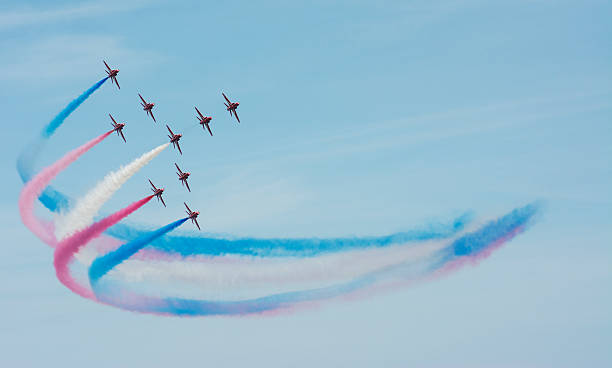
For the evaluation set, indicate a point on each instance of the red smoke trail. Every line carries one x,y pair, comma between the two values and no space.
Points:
68,247
35,187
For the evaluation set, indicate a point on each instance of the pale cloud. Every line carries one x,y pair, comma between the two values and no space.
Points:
59,56
246,200
24,16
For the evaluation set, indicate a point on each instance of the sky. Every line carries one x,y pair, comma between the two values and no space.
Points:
357,118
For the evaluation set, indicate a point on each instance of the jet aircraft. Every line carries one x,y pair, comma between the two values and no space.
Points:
118,127
204,121
183,176
193,215
148,107
231,106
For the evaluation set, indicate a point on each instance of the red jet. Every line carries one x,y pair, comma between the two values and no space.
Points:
117,127
193,215
148,107
231,106
183,176
174,139
112,74
158,193
204,120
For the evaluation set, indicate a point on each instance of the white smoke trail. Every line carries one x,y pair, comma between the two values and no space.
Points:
250,277
86,208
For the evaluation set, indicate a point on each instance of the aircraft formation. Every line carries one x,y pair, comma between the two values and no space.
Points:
205,121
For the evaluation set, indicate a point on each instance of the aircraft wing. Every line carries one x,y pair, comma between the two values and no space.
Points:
143,100
207,127
112,118
187,185
162,200
107,67
196,223
153,185
199,113
178,168
226,99
122,136
179,147
151,112
187,207
116,82
236,115
170,130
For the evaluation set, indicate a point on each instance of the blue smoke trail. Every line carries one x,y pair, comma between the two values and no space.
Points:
475,243
50,198
59,119
105,263
304,247
469,245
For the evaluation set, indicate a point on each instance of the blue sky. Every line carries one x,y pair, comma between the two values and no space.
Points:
357,118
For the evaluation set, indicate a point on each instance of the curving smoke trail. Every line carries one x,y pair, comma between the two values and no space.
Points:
292,247
50,198
466,248
35,187
83,213
66,248
69,109
245,276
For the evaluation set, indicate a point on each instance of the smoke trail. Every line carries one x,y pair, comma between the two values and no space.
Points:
87,207
66,249
105,263
471,245
50,198
476,246
35,187
305,247
246,277
59,119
